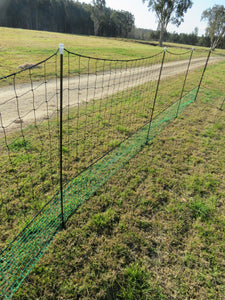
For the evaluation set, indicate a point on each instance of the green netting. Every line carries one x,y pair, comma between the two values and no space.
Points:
20,256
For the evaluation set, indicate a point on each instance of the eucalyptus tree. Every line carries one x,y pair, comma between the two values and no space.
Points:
168,11
216,24
98,15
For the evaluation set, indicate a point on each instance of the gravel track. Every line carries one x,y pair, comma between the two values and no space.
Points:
33,104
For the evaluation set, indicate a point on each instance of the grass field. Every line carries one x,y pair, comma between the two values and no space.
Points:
16,47
156,229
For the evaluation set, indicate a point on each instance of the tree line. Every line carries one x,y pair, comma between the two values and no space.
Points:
179,38
70,16
66,16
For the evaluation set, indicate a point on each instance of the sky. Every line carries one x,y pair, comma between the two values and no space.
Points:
147,20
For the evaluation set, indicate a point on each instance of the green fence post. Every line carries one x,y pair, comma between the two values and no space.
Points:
203,73
156,94
185,79
61,49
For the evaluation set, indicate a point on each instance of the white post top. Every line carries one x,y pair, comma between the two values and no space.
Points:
165,49
61,48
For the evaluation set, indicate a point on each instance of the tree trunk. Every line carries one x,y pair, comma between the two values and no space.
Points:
96,27
161,37
214,43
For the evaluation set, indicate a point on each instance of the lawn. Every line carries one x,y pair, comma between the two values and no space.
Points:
17,49
155,230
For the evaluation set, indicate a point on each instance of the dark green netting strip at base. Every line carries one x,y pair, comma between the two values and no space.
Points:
21,255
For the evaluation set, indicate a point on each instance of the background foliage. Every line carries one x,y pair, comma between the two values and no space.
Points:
67,16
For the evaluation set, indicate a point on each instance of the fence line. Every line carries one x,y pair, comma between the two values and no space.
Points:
77,145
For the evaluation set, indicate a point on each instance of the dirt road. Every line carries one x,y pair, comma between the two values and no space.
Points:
41,100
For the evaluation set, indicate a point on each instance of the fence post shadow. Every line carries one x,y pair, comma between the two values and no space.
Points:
221,106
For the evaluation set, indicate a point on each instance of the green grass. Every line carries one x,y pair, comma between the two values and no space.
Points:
17,48
24,190
156,229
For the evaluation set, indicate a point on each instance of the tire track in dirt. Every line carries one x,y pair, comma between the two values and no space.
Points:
33,104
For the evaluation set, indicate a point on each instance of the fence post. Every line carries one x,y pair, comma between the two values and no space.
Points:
156,94
61,49
185,79
203,73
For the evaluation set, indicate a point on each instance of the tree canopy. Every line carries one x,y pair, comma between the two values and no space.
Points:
72,16
66,16
168,11
216,23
